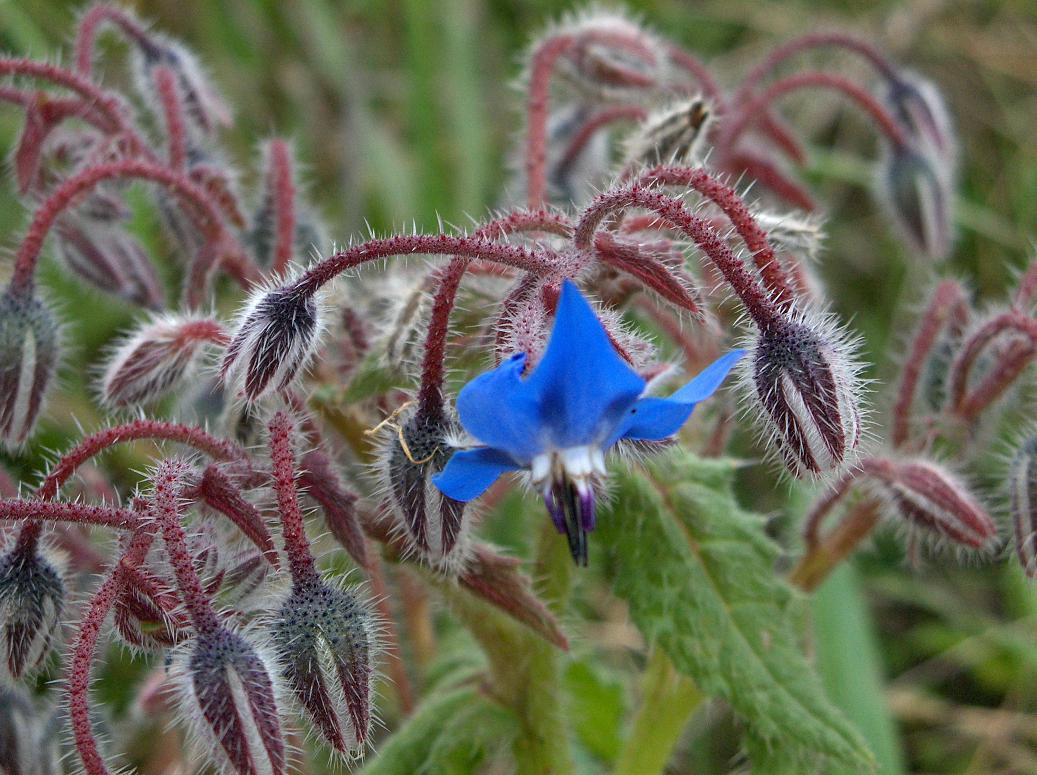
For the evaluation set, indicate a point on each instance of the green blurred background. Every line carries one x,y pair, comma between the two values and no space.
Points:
403,111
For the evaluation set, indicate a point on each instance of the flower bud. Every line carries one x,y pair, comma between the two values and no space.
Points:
920,108
28,742
673,135
918,196
244,575
410,456
157,358
927,496
276,335
1022,483
609,53
111,260
32,597
806,382
228,697
142,613
28,357
202,104
325,646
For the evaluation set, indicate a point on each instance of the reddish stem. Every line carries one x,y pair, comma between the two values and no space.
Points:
727,199
80,513
448,280
974,346
755,109
815,40
1010,364
1026,289
700,72
169,484
198,202
766,173
173,111
82,655
282,185
760,306
89,26
441,244
595,123
947,308
293,528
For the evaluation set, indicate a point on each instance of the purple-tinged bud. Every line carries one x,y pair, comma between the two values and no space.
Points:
1022,482
32,597
325,645
276,334
219,492
658,265
28,357
146,613
321,482
673,135
244,575
411,453
227,695
918,195
805,378
202,104
111,260
609,53
157,358
919,106
930,497
28,744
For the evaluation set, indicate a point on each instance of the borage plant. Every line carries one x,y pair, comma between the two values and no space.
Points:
627,247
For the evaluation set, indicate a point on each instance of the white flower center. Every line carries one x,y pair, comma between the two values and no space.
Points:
576,464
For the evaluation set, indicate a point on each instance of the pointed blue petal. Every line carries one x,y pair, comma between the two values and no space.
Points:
584,388
469,473
653,419
500,410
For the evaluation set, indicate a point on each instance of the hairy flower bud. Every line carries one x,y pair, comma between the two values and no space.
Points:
321,482
142,613
157,358
227,695
276,334
806,382
416,450
609,53
920,108
28,357
918,195
1022,483
673,135
930,497
325,647
202,103
111,260
32,597
28,743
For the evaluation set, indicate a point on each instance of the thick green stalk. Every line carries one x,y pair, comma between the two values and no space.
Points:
668,702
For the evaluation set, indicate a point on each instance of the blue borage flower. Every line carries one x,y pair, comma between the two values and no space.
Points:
557,423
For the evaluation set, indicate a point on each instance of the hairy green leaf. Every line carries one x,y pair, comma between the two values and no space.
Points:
698,574
451,732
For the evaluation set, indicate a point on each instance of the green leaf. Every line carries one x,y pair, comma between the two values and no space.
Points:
450,733
698,574
596,705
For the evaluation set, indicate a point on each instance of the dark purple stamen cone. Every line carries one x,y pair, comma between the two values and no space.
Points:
28,356
275,338
412,455
1023,495
325,652
807,386
32,596
231,698
573,514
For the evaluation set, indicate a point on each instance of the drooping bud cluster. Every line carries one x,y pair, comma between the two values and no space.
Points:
325,648
805,379
275,336
28,357
32,598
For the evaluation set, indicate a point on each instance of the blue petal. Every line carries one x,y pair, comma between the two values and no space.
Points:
469,473
652,419
583,387
500,410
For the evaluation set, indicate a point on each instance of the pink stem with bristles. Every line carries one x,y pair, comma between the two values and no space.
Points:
282,184
293,528
173,111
